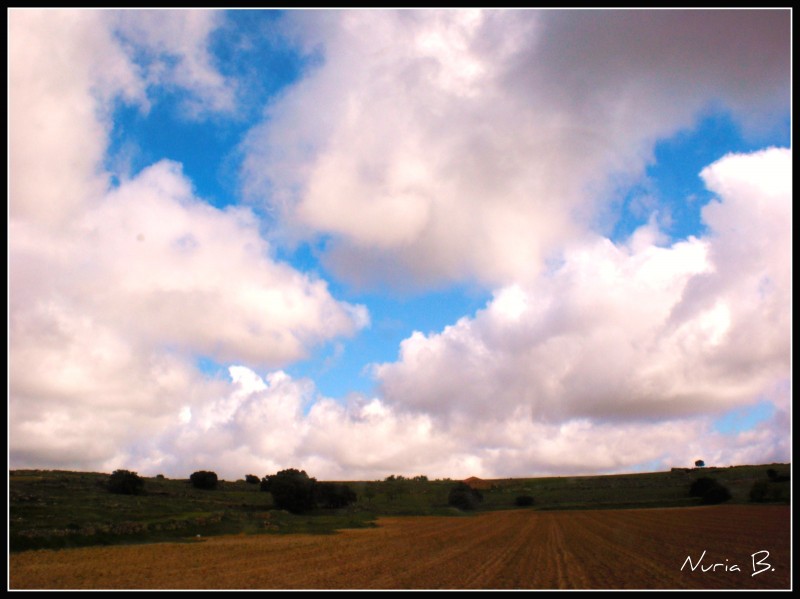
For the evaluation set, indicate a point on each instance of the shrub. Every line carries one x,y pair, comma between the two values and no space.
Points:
251,479
464,497
701,486
759,491
125,482
775,477
291,490
709,491
769,490
333,495
204,480
716,494
524,500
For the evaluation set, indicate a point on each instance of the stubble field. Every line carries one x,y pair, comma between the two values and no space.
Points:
519,549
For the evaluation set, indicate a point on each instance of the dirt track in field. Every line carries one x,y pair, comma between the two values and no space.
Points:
522,549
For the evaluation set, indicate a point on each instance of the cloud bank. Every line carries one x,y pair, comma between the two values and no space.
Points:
475,144
116,291
423,148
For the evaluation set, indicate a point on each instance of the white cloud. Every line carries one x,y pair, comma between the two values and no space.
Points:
269,424
264,425
474,144
449,145
172,49
59,63
114,292
627,334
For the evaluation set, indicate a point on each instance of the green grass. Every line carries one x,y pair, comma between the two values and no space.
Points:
52,509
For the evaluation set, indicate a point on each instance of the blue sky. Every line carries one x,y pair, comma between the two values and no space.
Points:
451,242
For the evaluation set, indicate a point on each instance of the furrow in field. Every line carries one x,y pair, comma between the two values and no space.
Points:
623,549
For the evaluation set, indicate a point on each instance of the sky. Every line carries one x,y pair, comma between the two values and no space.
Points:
455,243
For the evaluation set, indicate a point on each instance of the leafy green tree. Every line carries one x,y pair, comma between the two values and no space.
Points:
125,482
291,490
709,491
701,486
716,494
333,495
251,479
464,497
204,480
369,492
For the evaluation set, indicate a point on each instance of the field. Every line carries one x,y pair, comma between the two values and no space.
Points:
508,549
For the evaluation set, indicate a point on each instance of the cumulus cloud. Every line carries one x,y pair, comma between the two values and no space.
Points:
270,423
617,359
115,292
57,129
262,425
473,144
450,145
627,333
171,48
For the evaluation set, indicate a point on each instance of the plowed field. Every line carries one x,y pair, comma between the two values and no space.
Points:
602,549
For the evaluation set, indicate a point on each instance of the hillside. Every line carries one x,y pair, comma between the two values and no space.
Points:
64,509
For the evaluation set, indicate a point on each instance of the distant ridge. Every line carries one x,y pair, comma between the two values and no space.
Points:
478,483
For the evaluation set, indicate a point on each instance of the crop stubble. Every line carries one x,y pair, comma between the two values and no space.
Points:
520,549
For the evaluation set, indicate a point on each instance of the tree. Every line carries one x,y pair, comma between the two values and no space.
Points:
709,491
464,497
716,494
760,491
125,482
291,490
333,495
251,479
204,480
524,500
701,486
699,464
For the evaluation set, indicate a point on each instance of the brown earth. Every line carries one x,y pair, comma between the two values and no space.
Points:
520,549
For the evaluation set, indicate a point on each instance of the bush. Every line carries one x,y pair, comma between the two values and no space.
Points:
769,490
701,486
716,494
464,497
760,491
709,491
523,500
775,477
204,480
291,490
125,482
251,479
333,495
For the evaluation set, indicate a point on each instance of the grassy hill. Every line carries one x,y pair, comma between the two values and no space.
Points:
67,509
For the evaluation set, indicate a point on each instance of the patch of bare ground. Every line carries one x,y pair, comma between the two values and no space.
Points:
521,549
